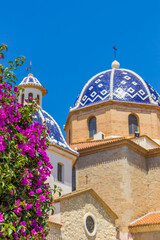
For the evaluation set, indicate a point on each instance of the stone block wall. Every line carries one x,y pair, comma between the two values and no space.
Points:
73,211
119,176
54,233
154,183
146,236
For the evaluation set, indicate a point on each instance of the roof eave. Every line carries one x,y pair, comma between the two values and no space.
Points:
151,227
67,151
28,85
84,190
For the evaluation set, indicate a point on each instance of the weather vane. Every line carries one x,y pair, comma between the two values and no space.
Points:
115,49
30,67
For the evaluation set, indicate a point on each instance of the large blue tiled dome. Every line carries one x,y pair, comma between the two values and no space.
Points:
117,84
55,135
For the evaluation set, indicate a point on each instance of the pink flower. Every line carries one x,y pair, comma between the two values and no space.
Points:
17,202
1,217
30,144
2,143
40,163
31,193
23,223
26,181
16,89
42,198
34,233
18,128
39,190
23,234
17,210
15,235
28,206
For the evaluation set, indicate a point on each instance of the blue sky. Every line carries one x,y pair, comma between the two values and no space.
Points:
71,41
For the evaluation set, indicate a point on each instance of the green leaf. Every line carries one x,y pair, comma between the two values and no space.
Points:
10,231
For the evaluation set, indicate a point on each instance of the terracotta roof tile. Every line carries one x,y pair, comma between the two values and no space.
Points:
150,218
90,144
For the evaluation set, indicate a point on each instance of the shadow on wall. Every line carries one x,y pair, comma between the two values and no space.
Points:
113,155
153,163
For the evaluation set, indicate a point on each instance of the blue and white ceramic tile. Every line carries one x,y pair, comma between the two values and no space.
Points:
30,80
119,85
55,135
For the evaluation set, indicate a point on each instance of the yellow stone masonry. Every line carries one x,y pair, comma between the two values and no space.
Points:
112,120
73,211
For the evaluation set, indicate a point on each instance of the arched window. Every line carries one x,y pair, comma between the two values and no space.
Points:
30,95
38,98
92,127
60,172
133,124
22,98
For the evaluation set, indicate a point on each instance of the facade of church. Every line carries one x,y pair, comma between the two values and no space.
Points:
109,168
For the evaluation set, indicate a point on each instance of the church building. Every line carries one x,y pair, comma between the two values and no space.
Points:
109,165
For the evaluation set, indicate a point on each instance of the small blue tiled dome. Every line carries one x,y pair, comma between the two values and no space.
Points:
117,84
55,135
31,81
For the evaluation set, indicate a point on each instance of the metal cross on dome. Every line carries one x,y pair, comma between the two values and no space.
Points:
115,49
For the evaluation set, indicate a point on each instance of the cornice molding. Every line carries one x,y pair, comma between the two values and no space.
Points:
30,85
145,228
92,192
120,143
55,224
113,145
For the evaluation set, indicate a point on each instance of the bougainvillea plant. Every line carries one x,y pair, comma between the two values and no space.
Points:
25,197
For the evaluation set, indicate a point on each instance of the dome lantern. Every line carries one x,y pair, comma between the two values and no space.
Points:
30,74
115,64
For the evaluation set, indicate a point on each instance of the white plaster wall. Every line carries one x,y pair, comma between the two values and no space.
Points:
157,141
31,90
56,158
144,142
56,217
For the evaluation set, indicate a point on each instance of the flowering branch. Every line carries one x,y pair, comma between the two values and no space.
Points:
26,198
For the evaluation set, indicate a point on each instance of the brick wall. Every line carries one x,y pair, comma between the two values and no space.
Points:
112,120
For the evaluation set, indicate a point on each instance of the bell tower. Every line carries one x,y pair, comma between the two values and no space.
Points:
32,89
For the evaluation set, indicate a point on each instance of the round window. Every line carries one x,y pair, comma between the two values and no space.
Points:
90,224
